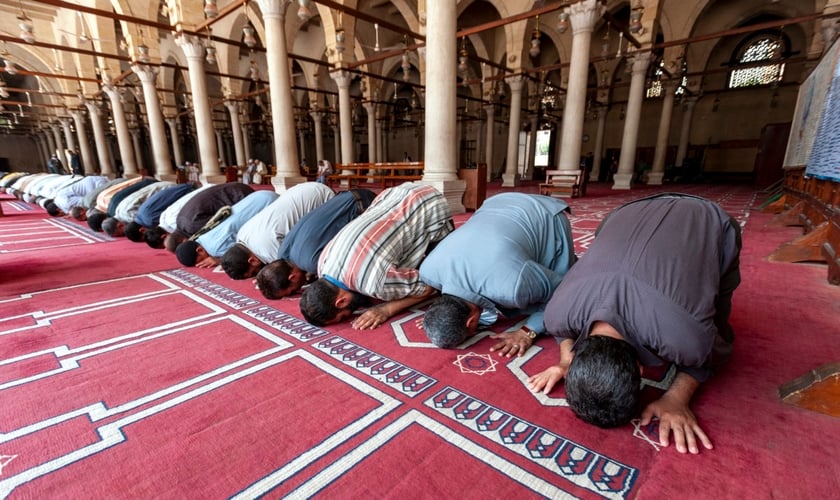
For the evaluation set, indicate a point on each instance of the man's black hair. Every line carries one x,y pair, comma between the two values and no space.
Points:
317,302
235,262
154,236
134,232
445,322
603,384
52,208
274,277
76,212
95,218
111,226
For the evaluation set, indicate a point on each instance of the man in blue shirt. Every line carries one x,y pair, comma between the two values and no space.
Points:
149,212
506,260
205,250
297,262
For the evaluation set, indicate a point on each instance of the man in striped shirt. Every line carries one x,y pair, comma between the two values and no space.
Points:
378,255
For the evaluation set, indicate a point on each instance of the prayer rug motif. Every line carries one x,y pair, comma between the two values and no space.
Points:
477,364
44,234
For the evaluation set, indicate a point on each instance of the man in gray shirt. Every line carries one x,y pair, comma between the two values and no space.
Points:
655,287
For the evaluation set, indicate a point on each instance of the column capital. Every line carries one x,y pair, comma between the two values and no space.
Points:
342,78
78,114
584,15
490,109
92,107
515,82
65,121
640,61
273,8
192,45
111,90
146,73
316,115
369,106
232,106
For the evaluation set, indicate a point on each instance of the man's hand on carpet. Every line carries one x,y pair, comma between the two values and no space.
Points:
207,263
371,318
546,379
676,417
516,342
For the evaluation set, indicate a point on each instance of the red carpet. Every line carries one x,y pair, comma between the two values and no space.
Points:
122,378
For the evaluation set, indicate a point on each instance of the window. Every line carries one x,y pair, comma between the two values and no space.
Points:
654,88
759,60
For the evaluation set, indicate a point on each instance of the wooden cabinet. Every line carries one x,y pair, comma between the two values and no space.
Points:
476,192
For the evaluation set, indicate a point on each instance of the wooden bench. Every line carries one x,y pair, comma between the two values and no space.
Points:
352,175
566,183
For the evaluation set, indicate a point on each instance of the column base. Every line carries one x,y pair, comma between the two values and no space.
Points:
622,181
655,178
510,180
283,183
167,177
212,179
453,191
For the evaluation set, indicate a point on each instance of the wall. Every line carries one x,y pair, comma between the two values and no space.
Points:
22,153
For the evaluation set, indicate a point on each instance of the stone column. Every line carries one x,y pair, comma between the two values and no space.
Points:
583,16
157,133
123,135
302,144
657,171
282,106
106,166
371,129
380,142
43,149
685,131
138,152
208,153
488,145
220,146
177,152
441,119
342,79
58,148
511,176
626,164
68,135
48,134
236,130
598,154
246,141
84,145
317,116
337,143
534,120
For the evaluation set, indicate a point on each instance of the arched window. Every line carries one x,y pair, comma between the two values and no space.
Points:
759,60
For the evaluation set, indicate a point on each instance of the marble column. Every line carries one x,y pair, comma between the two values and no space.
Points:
208,153
50,141
84,145
488,143
138,151
68,135
236,130
317,116
371,129
657,171
246,141
583,16
598,154
59,146
220,147
337,143
177,152
380,142
626,164
511,176
282,104
441,118
43,149
157,133
123,135
106,166
534,120
302,145
685,130
342,79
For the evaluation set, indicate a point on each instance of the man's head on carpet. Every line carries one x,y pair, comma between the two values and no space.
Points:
95,219
113,227
240,263
78,213
53,209
603,384
190,252
280,279
134,231
323,303
449,321
170,240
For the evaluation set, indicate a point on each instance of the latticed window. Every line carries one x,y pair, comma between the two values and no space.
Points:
763,49
654,89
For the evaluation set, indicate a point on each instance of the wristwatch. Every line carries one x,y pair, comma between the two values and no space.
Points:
531,333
